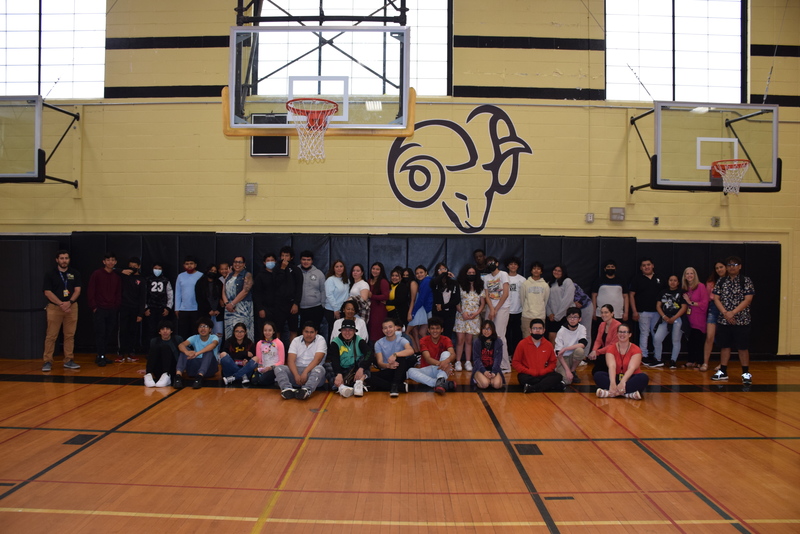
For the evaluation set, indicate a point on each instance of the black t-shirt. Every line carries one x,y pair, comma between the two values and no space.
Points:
58,282
648,291
671,302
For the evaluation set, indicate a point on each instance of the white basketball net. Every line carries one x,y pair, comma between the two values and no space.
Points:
732,172
311,121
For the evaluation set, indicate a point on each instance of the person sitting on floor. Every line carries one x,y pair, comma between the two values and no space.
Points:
624,378
198,356
350,358
162,356
535,362
303,372
570,346
269,354
236,359
487,358
437,359
394,356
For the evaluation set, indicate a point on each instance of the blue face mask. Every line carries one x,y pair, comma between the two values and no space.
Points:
270,264
157,272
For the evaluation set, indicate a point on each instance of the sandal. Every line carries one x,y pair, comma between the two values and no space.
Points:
703,368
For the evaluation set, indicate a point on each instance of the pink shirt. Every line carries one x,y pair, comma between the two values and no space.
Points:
697,314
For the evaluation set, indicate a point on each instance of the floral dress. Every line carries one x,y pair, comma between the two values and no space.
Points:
470,303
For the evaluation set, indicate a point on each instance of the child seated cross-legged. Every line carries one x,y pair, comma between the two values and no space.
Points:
437,359
487,358
535,362
350,358
270,353
394,356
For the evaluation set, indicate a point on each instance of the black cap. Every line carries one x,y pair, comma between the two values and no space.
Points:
348,323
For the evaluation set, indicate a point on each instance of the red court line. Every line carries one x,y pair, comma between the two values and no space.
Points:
343,492
644,443
64,413
615,464
732,419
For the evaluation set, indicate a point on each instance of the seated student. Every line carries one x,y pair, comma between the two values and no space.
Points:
624,376
437,359
236,358
350,311
162,356
350,357
198,356
487,358
303,372
535,362
394,356
570,346
269,354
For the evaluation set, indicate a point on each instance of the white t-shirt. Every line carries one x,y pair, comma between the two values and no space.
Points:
355,291
567,337
494,287
514,288
305,353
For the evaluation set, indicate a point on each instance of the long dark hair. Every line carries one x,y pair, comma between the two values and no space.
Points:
363,272
464,283
564,274
493,336
232,340
714,277
331,272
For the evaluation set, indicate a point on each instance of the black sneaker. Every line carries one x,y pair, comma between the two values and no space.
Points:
198,383
302,394
527,388
288,393
655,364
440,386
575,379
178,382
451,386
673,364
395,391
100,361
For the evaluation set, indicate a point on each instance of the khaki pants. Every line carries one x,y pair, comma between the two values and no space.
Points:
572,361
56,318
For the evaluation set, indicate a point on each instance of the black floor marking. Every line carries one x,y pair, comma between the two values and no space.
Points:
559,498
52,466
80,439
722,513
526,479
528,449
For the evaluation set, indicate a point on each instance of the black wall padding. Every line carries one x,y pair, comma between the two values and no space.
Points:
583,257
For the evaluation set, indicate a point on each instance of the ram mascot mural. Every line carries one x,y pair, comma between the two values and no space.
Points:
463,171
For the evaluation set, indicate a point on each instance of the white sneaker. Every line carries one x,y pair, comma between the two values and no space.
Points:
345,391
164,381
468,366
358,388
148,381
228,380
458,366
245,379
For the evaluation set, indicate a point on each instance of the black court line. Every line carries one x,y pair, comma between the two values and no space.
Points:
83,448
722,513
526,479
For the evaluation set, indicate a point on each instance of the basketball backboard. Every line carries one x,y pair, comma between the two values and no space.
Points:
21,157
690,136
364,70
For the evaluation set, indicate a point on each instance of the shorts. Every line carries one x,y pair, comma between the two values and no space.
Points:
733,336
713,314
420,318
553,326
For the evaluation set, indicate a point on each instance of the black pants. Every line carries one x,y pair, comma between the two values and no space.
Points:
697,341
105,329
549,382
513,332
313,314
161,359
448,321
264,380
150,328
128,331
186,323
384,379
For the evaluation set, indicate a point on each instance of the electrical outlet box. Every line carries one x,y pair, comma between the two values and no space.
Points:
617,214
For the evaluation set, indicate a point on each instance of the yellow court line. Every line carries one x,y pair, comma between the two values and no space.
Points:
354,522
276,495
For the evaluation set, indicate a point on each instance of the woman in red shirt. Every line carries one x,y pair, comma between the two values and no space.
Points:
624,378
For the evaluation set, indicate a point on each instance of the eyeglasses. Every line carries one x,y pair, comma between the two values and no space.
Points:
574,317
733,265
203,326
619,332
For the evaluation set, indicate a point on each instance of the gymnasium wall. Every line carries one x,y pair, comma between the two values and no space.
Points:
542,149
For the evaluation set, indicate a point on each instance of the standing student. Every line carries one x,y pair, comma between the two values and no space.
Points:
535,294
61,287
515,281
399,303
561,298
312,304
497,304
468,318
337,290
421,307
208,294
236,297
131,311
645,290
720,271
696,296
105,298
732,297
379,294
671,308
185,298
608,289
446,297
359,291
159,300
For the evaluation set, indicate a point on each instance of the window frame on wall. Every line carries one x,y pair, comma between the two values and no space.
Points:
660,66
53,48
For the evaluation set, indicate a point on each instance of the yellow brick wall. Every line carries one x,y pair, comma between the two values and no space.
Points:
163,164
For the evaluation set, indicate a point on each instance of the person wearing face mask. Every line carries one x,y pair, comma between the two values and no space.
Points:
609,289
159,300
535,362
131,311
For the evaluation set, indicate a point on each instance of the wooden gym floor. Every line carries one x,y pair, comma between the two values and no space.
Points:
94,451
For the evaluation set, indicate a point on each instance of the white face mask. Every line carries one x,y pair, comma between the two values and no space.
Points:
270,264
157,272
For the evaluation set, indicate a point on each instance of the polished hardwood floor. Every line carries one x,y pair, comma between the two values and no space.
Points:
94,451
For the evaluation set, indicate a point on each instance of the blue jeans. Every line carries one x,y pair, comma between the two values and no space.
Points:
229,367
647,325
430,374
661,333
206,366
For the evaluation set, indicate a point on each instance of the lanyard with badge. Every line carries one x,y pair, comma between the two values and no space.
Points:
65,279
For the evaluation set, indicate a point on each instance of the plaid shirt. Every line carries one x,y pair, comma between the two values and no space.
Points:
731,292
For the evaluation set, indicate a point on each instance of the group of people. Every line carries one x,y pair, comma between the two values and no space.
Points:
374,331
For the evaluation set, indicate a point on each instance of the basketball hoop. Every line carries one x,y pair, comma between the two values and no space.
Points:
732,172
311,132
